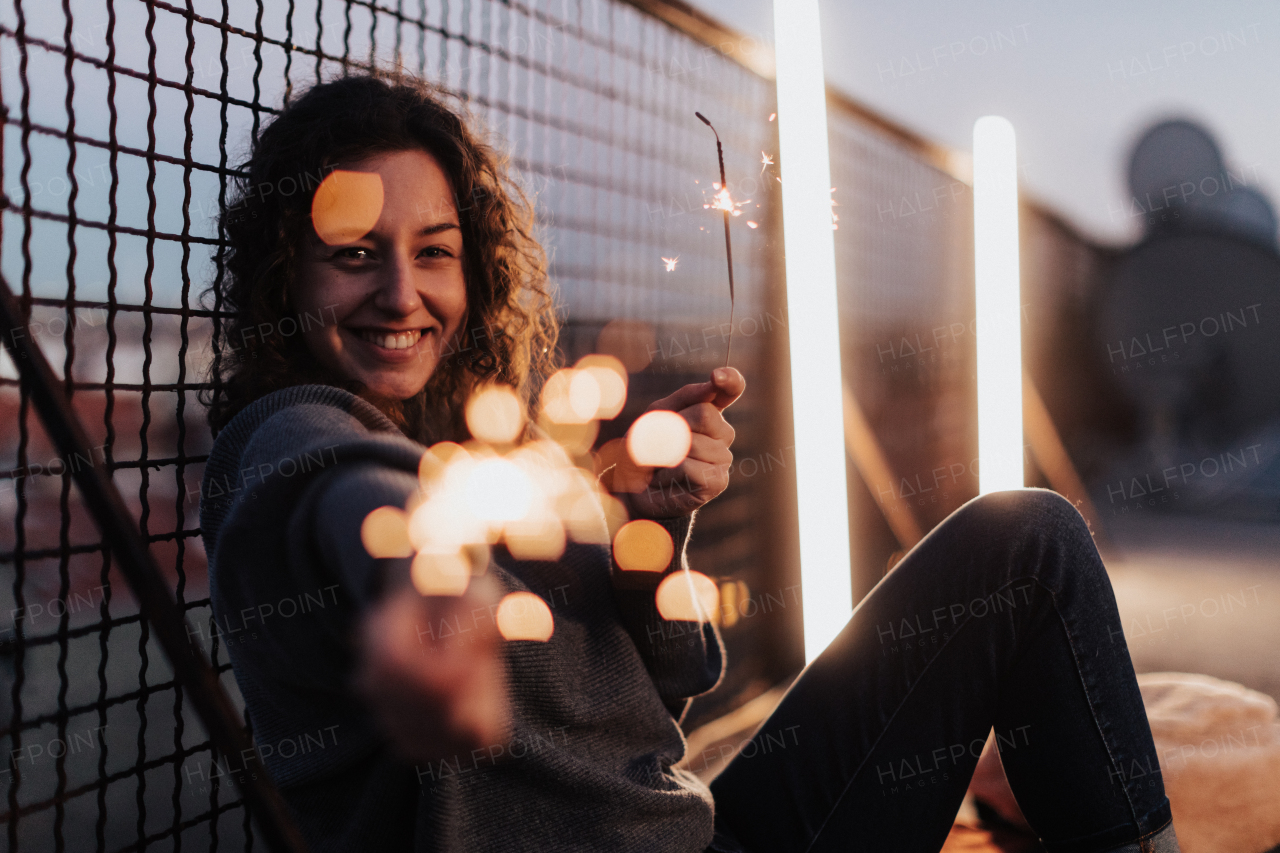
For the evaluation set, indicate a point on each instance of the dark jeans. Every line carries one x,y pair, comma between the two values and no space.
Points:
1001,617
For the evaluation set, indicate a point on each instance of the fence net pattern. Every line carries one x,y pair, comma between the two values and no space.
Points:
124,120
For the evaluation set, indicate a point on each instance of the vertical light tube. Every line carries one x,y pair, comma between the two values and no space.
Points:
814,330
999,305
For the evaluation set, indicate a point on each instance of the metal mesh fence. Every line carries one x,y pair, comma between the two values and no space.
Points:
904,263
123,122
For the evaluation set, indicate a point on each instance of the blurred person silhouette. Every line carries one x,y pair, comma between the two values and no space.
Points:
1186,318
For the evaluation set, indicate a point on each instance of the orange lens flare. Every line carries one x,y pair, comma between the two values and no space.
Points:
584,396
495,415
524,616
687,597
346,206
385,533
440,574
583,519
643,546
576,439
659,439
734,596
570,397
497,490
541,536
611,378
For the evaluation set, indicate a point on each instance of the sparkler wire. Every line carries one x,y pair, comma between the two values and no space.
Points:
728,244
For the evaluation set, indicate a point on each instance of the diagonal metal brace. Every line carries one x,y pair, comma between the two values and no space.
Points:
119,530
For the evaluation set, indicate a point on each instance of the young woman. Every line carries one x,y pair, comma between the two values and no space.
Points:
393,721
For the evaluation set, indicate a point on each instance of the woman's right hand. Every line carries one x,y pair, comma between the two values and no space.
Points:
434,696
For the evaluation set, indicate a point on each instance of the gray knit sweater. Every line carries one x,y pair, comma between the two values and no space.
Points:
594,709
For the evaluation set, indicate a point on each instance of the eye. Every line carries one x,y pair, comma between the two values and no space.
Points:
354,253
435,252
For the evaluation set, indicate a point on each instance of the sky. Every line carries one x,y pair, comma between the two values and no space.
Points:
1080,81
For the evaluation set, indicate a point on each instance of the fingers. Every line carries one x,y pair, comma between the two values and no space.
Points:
709,450
703,474
706,420
431,699
729,385
705,471
725,386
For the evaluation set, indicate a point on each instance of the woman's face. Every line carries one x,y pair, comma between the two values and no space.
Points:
393,298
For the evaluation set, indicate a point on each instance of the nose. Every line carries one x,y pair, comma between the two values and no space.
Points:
396,294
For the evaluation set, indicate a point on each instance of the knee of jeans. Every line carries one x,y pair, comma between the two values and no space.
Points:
1019,507
1021,515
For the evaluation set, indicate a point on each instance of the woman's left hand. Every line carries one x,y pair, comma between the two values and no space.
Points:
704,473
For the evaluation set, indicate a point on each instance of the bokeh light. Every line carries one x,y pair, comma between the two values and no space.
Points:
444,522
437,458
615,513
497,490
584,395
571,397
576,439
611,377
533,497
495,415
643,546
440,574
524,616
582,517
687,596
385,533
538,536
659,439
733,599
346,206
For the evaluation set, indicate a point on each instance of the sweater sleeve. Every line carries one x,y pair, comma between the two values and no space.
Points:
289,576
357,472
684,659
333,512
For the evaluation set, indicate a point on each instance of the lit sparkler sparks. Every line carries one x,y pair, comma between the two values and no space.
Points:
671,263
725,203
765,161
534,496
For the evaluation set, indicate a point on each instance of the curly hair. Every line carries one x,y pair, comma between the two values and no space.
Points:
510,329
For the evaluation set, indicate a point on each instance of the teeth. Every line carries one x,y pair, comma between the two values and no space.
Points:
397,340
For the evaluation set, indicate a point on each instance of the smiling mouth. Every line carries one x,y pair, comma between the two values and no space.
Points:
390,340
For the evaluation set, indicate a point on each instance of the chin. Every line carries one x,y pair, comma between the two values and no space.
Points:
394,388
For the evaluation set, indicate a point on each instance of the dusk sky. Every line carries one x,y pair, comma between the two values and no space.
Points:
1079,81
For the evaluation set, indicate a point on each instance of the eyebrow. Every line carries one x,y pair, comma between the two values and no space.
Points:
437,228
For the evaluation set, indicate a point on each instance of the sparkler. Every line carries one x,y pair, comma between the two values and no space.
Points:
534,496
726,205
